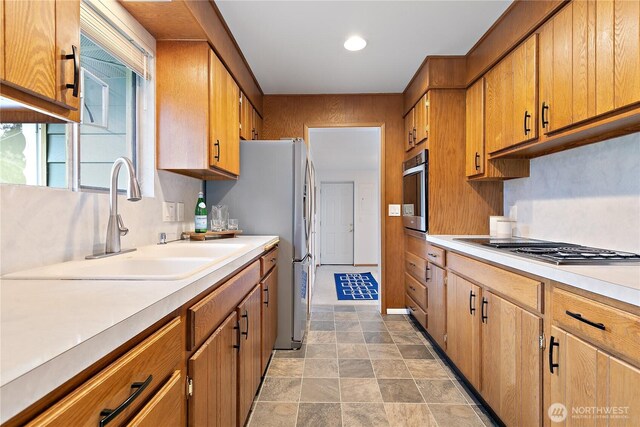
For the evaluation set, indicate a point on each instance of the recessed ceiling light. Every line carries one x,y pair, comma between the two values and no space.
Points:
354,43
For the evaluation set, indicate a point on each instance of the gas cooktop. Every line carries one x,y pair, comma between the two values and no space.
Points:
556,252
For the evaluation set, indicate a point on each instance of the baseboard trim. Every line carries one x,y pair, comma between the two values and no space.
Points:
397,311
365,265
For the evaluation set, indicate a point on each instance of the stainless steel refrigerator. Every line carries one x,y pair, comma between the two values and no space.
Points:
273,196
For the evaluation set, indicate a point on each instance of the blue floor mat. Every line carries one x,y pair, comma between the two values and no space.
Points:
356,286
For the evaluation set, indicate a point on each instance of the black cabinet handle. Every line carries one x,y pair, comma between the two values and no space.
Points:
266,301
545,121
415,138
579,317
110,414
410,138
412,264
477,161
472,304
246,317
237,329
76,71
552,343
217,145
527,129
426,274
484,315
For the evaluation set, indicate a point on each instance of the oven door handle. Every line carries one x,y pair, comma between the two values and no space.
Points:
414,170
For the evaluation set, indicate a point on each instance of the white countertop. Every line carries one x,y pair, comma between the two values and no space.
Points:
51,330
620,282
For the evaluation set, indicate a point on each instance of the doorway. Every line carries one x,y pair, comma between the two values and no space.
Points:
336,223
347,225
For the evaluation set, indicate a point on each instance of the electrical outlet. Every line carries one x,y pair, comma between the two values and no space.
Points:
394,210
168,211
179,211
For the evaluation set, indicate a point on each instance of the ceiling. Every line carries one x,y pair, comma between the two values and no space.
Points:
295,47
359,148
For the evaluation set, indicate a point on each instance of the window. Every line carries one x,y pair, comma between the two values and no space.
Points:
108,117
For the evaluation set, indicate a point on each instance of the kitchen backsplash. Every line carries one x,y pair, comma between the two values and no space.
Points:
588,195
40,226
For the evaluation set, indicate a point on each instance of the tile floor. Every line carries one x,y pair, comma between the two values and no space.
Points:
324,290
358,368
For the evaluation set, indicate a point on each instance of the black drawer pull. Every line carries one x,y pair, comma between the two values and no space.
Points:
412,264
237,329
477,161
484,304
553,343
76,71
579,317
246,332
527,116
266,300
432,255
545,121
110,414
472,305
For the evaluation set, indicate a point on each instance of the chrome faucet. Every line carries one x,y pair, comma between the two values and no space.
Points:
116,227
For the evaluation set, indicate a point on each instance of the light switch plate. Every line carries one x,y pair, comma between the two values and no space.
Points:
168,211
179,211
394,210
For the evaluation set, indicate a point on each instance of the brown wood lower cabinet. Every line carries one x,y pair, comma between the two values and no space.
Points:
437,308
269,316
249,367
213,376
463,327
167,407
594,387
511,361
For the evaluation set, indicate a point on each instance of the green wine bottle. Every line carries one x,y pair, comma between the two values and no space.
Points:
201,214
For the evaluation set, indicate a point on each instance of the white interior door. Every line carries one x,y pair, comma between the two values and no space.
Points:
336,223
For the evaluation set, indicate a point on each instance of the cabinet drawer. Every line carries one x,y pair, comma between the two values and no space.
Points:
416,246
205,316
416,290
268,261
436,255
416,266
416,311
522,290
150,363
166,407
605,326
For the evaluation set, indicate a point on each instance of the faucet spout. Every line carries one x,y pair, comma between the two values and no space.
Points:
116,227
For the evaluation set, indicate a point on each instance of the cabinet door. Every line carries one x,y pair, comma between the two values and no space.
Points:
511,361
436,308
249,367
463,327
67,37
224,143
474,163
2,40
409,126
257,121
30,46
627,52
246,118
213,370
167,407
269,315
582,376
421,120
494,106
561,108
525,91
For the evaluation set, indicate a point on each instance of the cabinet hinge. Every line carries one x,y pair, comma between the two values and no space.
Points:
426,103
445,337
541,341
189,387
446,280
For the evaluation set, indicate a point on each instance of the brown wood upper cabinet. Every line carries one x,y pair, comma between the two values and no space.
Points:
421,120
409,129
511,93
589,62
250,120
477,165
257,125
40,53
197,112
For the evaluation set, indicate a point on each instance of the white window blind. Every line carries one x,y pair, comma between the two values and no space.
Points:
98,29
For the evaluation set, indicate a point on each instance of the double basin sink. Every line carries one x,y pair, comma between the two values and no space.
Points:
173,261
